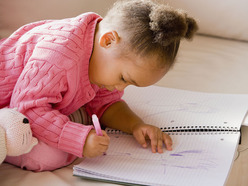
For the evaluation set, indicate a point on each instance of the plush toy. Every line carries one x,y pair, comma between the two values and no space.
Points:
15,134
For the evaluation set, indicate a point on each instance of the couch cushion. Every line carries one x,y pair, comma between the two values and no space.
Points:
210,64
222,18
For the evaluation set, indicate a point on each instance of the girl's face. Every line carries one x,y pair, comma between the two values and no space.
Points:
117,73
109,70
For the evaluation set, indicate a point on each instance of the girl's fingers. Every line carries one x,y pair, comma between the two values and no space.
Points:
154,137
167,141
159,138
103,148
160,142
104,140
141,139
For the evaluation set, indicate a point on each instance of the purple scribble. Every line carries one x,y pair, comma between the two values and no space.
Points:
186,152
176,155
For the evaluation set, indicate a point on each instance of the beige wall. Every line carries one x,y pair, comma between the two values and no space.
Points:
215,17
15,13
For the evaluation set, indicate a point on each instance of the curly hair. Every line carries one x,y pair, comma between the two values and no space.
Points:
151,28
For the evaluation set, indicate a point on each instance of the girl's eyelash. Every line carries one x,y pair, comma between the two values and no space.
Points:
122,78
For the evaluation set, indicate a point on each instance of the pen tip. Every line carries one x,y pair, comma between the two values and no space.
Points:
94,117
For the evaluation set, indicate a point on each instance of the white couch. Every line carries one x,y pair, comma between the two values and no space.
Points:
215,61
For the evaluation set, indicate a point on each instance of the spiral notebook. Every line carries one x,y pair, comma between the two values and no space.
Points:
205,132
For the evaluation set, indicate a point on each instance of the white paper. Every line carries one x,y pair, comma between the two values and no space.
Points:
198,158
173,107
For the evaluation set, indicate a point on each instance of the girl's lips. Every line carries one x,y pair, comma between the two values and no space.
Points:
108,88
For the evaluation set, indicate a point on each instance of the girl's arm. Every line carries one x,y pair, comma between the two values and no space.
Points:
120,116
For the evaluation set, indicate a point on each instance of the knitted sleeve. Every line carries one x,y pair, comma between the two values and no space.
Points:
39,88
49,79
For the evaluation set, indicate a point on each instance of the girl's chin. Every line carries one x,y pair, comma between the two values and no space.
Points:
106,87
100,86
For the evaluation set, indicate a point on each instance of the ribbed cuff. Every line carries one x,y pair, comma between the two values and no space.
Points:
73,138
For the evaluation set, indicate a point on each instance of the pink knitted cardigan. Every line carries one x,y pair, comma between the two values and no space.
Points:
44,72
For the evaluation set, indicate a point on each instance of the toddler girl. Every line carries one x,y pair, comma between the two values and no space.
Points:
50,69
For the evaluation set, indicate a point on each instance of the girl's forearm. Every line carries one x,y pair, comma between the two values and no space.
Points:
119,116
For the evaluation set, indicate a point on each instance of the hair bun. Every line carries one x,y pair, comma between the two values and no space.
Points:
169,24
192,27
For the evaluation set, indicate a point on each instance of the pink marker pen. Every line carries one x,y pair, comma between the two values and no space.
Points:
97,125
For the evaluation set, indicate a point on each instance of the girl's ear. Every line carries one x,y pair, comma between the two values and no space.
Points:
109,38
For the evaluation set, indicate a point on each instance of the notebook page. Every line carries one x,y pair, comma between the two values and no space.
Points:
197,159
176,108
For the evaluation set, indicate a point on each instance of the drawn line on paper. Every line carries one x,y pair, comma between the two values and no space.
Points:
186,152
182,159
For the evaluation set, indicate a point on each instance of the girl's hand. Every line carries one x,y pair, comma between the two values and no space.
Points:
143,131
95,145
